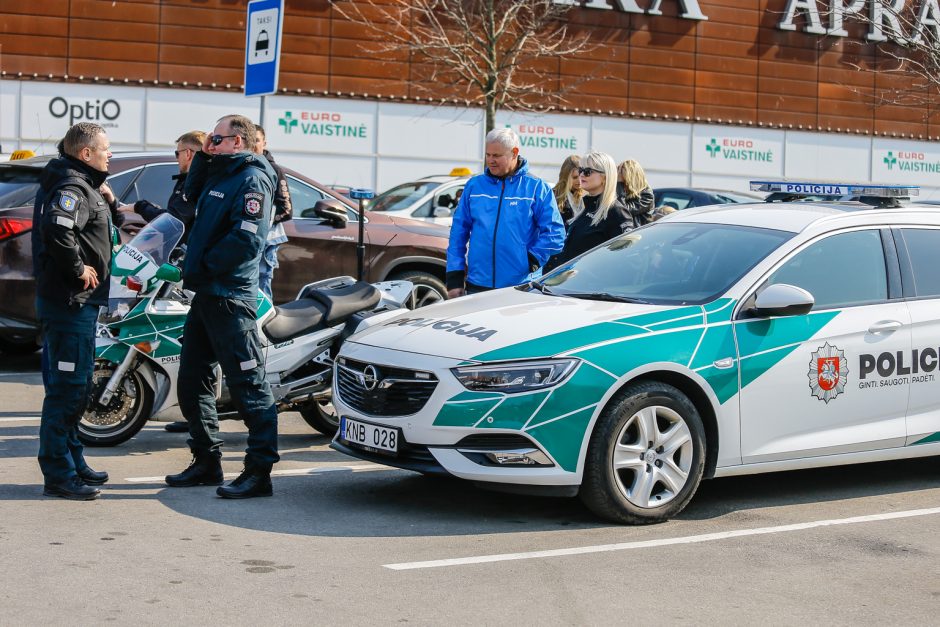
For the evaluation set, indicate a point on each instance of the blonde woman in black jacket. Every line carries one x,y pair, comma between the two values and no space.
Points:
634,191
603,216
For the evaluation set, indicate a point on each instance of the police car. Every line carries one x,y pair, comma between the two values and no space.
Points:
718,341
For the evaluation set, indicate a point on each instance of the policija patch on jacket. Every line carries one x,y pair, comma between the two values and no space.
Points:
68,200
253,204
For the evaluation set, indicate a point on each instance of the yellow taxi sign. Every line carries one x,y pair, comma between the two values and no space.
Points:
22,154
460,172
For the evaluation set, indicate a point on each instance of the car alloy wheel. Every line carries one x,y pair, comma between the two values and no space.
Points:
646,455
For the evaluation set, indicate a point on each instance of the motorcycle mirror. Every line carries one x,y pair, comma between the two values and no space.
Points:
169,273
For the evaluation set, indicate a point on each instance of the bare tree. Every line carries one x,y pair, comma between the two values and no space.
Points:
494,51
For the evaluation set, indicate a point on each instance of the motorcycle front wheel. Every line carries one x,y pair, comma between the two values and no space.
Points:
321,415
123,417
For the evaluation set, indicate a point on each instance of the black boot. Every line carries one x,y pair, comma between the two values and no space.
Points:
203,470
73,489
250,483
177,427
92,477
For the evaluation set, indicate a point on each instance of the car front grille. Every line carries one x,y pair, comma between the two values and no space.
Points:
379,390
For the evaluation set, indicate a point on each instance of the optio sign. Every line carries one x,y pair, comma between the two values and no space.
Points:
90,111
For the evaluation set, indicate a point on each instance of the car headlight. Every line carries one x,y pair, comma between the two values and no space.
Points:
514,377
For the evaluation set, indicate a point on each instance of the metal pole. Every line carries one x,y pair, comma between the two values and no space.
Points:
361,247
361,195
261,117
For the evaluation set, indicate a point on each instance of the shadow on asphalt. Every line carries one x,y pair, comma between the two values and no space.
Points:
394,503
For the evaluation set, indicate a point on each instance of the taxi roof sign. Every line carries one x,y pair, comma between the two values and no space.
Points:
816,188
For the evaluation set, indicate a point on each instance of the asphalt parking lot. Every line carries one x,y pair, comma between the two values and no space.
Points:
348,542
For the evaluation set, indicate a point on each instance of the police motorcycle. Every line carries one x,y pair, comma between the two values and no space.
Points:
137,351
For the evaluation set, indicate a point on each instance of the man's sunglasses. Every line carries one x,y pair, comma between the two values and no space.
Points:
177,152
218,139
581,171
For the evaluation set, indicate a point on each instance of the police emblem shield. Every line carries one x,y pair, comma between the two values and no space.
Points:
828,372
253,203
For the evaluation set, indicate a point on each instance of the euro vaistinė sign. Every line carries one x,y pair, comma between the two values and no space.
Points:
263,46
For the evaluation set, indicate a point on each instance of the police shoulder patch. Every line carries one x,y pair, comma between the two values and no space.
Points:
253,203
67,200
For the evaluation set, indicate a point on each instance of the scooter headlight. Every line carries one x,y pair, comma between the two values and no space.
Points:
515,377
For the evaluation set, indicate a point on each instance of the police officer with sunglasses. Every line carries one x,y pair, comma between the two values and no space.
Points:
233,189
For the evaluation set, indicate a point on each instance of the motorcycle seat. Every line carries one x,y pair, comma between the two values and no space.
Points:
295,318
344,300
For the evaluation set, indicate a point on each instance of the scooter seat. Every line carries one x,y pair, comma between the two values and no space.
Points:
342,301
295,318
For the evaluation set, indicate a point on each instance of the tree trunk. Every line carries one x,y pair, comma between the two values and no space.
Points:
490,113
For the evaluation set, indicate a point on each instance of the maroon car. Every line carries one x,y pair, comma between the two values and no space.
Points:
322,238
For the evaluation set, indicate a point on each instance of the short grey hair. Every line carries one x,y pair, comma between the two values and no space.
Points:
505,137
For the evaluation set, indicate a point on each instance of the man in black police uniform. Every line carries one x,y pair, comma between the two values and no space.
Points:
233,189
179,205
71,260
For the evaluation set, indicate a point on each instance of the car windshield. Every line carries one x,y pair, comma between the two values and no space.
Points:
402,196
18,187
678,263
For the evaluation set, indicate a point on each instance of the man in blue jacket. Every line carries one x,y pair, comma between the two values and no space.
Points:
508,218
233,189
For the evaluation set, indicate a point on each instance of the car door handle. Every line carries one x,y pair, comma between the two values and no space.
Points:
885,326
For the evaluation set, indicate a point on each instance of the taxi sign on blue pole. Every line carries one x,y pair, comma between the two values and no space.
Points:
263,46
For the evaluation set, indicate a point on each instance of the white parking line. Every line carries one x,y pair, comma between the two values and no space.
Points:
21,419
283,473
646,544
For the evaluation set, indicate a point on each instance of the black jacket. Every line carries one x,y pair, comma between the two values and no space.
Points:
71,229
640,207
583,236
179,206
283,211
233,198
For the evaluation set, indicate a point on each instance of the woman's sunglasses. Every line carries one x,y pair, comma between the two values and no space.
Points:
581,171
218,139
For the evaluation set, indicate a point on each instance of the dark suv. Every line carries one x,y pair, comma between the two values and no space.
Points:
322,242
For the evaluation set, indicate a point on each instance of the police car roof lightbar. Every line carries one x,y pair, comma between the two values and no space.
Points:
810,188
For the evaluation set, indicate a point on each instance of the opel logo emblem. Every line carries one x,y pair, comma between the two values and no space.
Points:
370,377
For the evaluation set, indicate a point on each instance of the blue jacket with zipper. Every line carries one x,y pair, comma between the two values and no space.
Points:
233,195
512,226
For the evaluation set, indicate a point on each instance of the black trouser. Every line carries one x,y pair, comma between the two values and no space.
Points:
223,330
68,362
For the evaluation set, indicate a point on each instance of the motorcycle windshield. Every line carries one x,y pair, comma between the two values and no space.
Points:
157,240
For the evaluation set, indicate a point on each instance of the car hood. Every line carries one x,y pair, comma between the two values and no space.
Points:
420,227
513,324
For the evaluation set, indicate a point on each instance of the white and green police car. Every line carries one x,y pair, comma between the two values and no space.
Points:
719,341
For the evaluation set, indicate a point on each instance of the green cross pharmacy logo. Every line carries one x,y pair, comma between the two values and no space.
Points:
288,122
890,160
712,148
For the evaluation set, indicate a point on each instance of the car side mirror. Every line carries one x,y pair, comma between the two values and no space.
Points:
443,212
333,212
782,299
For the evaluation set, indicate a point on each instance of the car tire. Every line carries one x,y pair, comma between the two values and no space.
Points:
646,455
19,345
428,288
321,415
126,414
